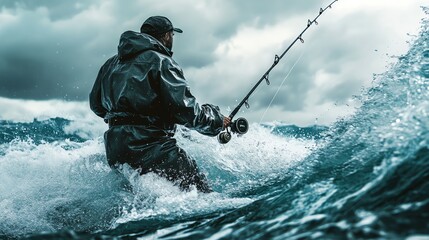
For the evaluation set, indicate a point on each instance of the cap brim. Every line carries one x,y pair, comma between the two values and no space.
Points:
177,30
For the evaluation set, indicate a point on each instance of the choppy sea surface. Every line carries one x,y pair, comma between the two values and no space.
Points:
364,177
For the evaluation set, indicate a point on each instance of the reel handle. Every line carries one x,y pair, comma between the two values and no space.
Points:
239,126
224,137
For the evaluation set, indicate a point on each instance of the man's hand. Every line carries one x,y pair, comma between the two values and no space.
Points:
226,122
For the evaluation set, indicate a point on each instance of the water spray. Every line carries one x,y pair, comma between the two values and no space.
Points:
240,126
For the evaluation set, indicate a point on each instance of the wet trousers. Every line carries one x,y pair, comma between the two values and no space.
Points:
152,151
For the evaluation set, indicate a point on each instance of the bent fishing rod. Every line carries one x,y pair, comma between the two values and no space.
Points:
241,125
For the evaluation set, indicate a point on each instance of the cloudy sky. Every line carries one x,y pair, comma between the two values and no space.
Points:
54,49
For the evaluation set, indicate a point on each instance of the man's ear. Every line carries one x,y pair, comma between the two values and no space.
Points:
164,38
167,35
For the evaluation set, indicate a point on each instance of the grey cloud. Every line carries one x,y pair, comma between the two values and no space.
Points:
53,68
343,91
207,34
41,78
39,62
57,9
292,95
43,69
270,12
197,54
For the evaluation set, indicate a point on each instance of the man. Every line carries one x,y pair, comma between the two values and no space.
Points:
142,93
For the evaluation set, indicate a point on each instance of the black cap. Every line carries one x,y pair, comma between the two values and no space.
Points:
157,25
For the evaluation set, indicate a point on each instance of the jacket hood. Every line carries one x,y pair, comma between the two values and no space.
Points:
133,43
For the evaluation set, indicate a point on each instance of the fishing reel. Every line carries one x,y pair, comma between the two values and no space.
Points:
239,126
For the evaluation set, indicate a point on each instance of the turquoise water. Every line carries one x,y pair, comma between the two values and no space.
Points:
366,176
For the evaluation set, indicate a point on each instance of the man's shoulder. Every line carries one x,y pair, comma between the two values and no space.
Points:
152,54
109,62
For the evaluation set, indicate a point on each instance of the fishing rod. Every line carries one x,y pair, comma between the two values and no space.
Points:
240,126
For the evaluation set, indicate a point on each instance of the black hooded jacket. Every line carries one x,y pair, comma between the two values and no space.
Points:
143,82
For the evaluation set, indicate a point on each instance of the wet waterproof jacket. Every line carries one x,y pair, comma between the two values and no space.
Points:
142,93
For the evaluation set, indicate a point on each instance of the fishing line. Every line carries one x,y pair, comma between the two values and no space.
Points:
278,89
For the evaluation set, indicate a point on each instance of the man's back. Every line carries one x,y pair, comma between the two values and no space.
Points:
129,82
142,93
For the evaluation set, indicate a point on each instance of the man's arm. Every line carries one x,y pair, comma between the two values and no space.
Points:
95,97
182,105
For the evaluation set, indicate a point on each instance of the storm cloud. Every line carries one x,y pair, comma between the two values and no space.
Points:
54,49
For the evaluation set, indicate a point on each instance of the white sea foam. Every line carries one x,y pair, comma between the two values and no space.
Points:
250,159
38,180
155,196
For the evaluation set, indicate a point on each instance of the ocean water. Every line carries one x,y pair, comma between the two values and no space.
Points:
364,177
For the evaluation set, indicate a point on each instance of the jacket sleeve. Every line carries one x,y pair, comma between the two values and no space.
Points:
182,105
95,102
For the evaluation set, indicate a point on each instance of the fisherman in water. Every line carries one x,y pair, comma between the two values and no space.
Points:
142,94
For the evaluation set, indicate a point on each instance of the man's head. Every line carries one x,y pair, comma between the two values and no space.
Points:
160,28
